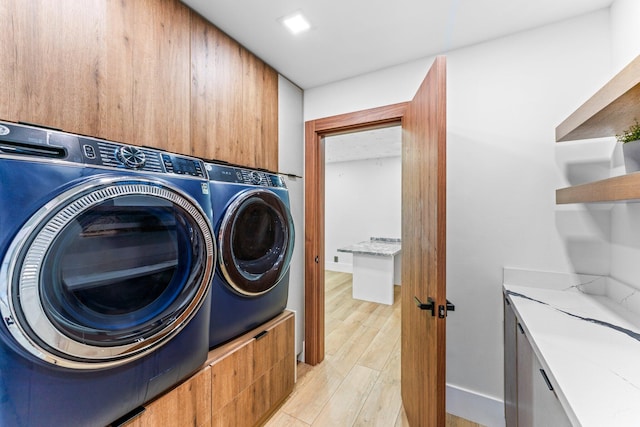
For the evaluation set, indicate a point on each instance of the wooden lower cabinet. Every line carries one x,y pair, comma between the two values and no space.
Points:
242,383
251,376
188,404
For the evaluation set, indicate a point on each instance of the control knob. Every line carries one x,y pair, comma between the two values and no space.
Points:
131,157
255,177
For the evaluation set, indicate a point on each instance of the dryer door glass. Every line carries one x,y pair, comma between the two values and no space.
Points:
124,269
120,271
256,242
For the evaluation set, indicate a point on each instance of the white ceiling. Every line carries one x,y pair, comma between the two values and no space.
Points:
370,144
352,37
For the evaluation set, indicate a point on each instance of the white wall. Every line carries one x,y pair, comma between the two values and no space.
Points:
625,248
505,99
291,161
625,32
362,200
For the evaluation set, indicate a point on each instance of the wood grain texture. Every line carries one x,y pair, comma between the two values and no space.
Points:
260,102
424,250
53,63
360,120
609,111
234,101
314,245
146,92
142,72
322,392
315,130
186,405
251,377
216,93
231,375
618,188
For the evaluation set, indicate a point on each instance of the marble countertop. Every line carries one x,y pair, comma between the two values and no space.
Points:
585,330
377,246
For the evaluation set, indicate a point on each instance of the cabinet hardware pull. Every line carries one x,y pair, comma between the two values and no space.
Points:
521,329
128,417
261,335
546,379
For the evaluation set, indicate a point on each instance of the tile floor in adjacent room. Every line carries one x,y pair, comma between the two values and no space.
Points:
358,383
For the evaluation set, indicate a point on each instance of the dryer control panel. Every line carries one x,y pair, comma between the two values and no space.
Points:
116,155
30,141
237,175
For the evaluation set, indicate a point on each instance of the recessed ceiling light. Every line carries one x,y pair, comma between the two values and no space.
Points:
296,23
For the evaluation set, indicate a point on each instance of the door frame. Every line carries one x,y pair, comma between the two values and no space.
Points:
315,131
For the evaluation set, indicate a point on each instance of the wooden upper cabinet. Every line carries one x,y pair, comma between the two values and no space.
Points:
52,66
147,74
142,72
216,89
260,101
234,100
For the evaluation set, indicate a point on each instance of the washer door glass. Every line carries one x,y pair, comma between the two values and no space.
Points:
256,242
115,271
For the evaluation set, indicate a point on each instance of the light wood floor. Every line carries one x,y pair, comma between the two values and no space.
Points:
358,383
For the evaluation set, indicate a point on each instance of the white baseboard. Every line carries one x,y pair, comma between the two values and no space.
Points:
340,267
481,409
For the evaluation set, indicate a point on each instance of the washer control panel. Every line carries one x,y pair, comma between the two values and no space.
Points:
239,175
30,141
113,154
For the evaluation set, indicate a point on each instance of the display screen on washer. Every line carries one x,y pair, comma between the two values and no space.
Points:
184,166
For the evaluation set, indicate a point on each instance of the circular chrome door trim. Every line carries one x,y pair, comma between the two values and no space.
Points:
53,346
228,268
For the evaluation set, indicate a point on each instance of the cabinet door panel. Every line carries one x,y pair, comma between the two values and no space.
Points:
53,63
232,374
548,410
260,101
525,380
537,405
250,376
187,404
146,90
216,93
510,366
234,100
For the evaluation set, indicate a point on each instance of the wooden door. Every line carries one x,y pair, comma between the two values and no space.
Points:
423,375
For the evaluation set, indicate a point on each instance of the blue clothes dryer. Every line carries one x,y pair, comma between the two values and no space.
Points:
255,235
107,257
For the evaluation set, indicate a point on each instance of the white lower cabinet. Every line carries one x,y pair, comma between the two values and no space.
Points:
530,398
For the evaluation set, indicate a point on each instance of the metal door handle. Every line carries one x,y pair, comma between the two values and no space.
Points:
450,306
428,306
431,306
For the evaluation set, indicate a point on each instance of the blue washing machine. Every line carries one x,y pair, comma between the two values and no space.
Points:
107,257
255,235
